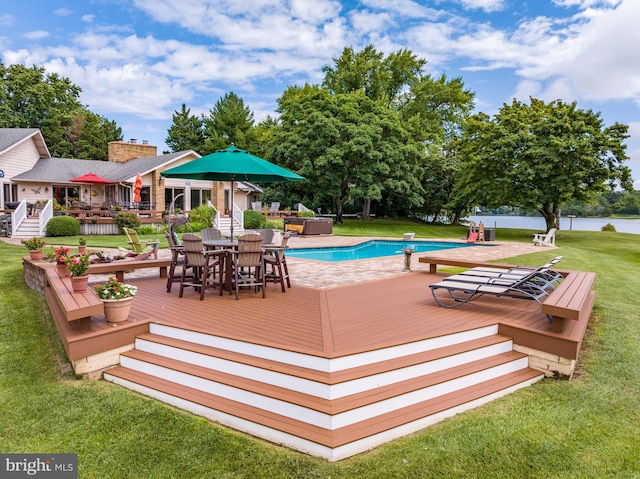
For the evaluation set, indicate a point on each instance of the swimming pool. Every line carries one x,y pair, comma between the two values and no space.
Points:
371,249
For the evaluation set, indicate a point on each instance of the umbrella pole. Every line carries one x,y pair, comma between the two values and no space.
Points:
231,209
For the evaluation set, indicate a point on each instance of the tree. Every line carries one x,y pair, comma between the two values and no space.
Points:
541,156
88,136
381,79
348,146
31,98
229,122
186,132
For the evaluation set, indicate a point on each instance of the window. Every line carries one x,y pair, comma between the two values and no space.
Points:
64,195
199,197
175,196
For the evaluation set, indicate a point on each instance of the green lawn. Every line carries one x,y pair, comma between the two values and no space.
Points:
585,428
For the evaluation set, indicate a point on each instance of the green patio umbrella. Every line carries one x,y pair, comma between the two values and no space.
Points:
232,164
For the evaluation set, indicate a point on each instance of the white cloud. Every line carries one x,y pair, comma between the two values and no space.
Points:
88,18
486,5
6,20
63,12
36,35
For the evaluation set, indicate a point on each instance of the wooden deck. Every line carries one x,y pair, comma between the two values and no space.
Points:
330,322
327,371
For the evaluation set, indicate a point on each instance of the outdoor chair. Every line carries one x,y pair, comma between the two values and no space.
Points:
548,239
140,249
267,236
275,263
461,292
177,260
547,275
207,267
248,264
211,234
173,229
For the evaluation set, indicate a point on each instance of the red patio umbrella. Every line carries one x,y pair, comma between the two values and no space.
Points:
137,188
91,179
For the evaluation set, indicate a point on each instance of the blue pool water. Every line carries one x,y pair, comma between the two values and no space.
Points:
370,249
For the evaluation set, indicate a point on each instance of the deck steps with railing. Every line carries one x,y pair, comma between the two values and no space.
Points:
328,407
29,228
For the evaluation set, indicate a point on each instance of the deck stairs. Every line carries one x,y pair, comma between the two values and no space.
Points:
29,228
224,225
327,407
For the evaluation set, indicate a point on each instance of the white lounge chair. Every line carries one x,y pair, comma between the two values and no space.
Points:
548,239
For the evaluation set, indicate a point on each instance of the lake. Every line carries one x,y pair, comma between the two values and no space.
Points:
538,224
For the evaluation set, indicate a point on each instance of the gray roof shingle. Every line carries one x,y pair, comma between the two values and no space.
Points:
62,170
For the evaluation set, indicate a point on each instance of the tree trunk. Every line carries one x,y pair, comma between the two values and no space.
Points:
366,209
338,203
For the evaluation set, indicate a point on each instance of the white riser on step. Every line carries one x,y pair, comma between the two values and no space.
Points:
304,445
315,362
316,418
314,388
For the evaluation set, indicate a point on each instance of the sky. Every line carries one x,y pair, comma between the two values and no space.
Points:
138,61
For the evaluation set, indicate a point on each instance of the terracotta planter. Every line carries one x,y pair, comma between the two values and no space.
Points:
36,254
80,283
117,310
63,272
82,249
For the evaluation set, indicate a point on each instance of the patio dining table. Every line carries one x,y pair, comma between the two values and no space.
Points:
228,244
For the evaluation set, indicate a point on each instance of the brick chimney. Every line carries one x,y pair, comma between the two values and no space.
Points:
121,151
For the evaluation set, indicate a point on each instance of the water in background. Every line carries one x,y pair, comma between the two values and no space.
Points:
538,224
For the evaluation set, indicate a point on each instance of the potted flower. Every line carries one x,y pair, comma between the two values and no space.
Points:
117,298
82,245
60,256
34,245
78,267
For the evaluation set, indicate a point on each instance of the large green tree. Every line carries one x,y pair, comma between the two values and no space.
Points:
230,121
88,136
186,131
32,98
348,146
435,110
541,156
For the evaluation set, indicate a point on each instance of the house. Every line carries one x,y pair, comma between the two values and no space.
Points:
29,173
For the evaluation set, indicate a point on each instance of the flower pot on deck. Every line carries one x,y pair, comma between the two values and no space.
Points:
35,254
117,310
62,270
80,283
82,249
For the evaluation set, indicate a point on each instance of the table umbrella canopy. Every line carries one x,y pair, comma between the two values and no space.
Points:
91,179
232,164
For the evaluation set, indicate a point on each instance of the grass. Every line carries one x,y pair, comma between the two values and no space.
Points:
585,428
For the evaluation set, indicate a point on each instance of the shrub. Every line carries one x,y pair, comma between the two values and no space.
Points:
275,224
608,227
195,226
306,214
63,226
254,220
147,230
125,219
204,215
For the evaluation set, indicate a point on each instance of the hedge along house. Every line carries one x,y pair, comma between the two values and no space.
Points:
28,172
